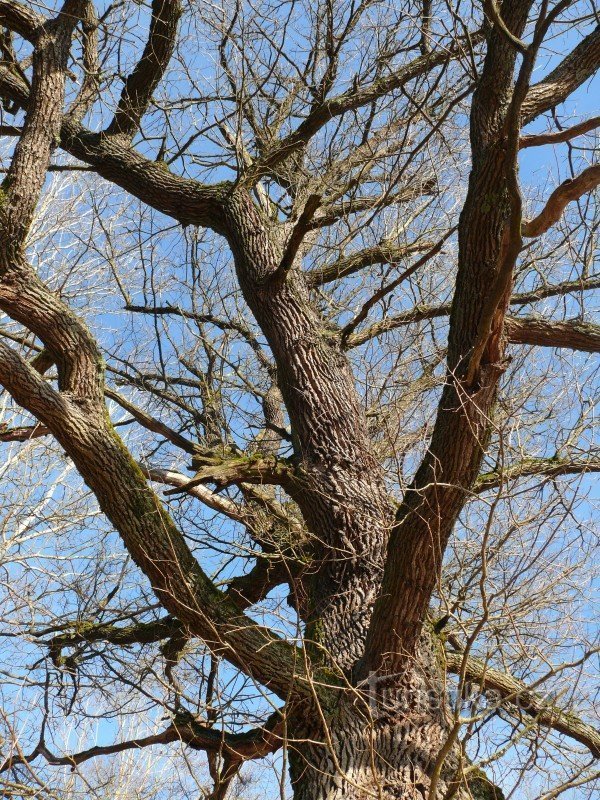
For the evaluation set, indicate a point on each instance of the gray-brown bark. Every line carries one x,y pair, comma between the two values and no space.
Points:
368,714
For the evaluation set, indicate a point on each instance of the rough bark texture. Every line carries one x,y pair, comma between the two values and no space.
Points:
384,741
376,721
342,495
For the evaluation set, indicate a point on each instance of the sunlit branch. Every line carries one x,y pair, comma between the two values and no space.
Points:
514,691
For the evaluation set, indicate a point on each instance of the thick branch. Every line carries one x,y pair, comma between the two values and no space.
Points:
516,692
224,471
144,79
573,334
449,469
185,200
27,171
20,19
138,633
581,63
149,534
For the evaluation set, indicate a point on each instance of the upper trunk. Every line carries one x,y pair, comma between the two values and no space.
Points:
343,500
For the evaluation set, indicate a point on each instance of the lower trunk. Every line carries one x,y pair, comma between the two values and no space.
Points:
384,740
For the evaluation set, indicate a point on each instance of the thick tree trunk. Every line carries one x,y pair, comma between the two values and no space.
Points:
384,738
383,741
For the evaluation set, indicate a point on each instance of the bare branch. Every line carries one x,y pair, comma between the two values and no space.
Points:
514,691
253,744
384,253
422,313
536,467
323,112
569,190
565,135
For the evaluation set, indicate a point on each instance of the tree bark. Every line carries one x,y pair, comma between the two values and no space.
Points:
387,740
342,494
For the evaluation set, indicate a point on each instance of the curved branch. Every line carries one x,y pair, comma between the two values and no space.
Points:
150,535
149,70
20,19
492,11
252,744
569,190
515,691
565,135
185,200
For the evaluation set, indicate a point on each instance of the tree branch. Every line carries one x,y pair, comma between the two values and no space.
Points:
569,190
581,63
422,313
150,535
149,70
515,691
20,19
185,200
223,471
385,290
152,424
535,467
324,111
357,205
572,334
384,253
565,135
492,11
252,744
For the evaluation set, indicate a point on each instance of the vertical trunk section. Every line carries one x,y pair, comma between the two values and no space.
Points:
344,502
383,741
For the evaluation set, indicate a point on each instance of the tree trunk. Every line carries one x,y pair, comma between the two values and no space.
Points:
384,738
342,498
383,741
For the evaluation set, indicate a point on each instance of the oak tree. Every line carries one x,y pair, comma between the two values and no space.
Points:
318,359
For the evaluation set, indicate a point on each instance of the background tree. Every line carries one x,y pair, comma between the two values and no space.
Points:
274,251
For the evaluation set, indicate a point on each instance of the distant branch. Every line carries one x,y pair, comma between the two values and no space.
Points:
324,111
